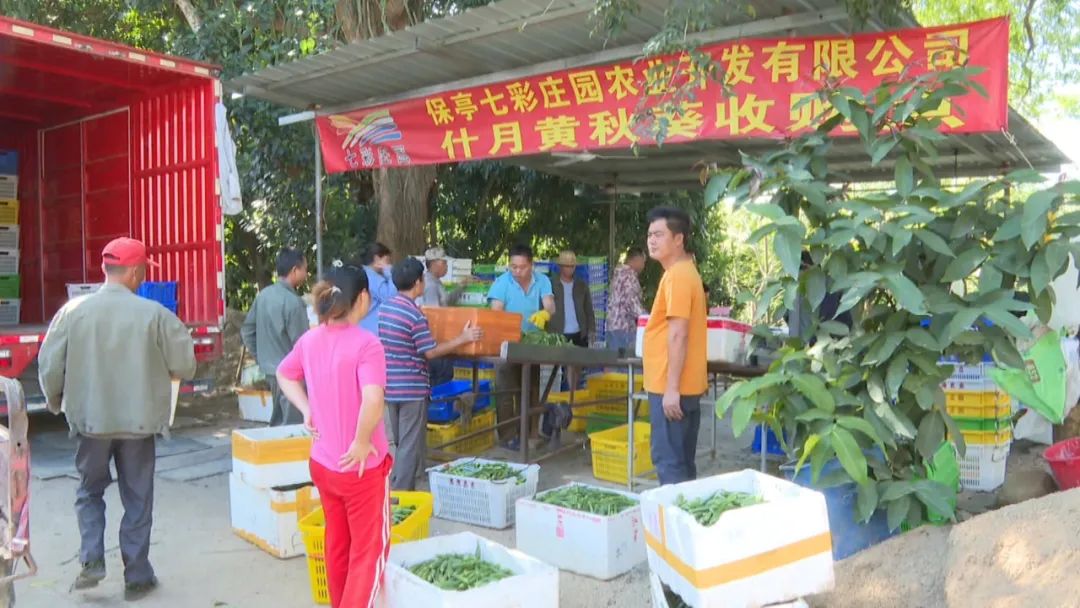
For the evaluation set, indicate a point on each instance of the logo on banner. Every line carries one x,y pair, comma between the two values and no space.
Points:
375,135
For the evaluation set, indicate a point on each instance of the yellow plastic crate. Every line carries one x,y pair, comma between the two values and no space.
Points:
577,425
438,434
9,212
313,530
613,384
978,404
465,373
997,438
611,448
306,502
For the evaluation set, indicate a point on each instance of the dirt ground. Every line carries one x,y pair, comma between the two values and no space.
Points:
202,564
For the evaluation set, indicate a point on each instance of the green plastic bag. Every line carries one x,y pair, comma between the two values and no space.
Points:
1041,384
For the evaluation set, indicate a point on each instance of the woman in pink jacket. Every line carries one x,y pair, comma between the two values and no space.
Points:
344,370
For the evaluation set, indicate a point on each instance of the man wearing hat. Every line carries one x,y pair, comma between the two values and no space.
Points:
574,316
123,352
435,293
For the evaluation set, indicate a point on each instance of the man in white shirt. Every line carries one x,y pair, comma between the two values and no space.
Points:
435,293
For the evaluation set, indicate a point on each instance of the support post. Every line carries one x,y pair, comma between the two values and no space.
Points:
318,204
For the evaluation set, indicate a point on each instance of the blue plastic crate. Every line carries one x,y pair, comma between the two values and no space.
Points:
441,408
9,162
164,292
772,443
470,365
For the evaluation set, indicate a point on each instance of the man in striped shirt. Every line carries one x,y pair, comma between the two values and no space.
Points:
409,345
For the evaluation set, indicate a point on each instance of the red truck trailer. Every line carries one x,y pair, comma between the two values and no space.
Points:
106,141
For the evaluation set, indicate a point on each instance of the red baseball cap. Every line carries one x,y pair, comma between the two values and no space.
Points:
126,252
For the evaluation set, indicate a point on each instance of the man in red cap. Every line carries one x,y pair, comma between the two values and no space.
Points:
108,360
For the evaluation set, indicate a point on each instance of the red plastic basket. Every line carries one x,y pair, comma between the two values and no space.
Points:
1064,460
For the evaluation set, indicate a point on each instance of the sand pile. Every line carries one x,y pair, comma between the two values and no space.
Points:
1022,556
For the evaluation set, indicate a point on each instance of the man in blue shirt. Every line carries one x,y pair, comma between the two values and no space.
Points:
524,291
376,262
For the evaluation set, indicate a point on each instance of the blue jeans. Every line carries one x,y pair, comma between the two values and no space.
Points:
622,339
674,442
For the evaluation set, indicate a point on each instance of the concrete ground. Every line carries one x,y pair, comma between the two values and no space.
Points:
202,564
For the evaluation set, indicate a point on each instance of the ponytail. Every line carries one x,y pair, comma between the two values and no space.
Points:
336,295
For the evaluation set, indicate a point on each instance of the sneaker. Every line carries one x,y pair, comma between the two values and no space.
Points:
134,592
92,573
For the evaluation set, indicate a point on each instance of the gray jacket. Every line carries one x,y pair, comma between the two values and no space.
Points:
275,322
582,307
110,357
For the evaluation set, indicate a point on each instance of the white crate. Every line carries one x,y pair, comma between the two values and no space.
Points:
265,518
9,187
969,377
478,501
255,405
9,236
272,457
534,584
9,262
76,290
584,543
773,552
982,469
473,298
660,601
9,311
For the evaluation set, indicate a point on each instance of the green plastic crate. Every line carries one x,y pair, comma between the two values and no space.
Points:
983,424
9,287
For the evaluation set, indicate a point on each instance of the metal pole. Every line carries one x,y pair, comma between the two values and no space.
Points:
630,427
526,392
611,235
318,204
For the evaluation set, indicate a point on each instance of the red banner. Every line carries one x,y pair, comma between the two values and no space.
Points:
593,108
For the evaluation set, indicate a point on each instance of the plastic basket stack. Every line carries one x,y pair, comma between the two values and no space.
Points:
594,271
983,415
165,293
10,297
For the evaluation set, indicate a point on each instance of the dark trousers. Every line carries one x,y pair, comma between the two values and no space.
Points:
135,474
508,378
674,442
408,425
284,413
577,339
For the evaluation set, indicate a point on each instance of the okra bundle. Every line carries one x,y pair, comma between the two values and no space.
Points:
459,572
401,513
487,471
589,500
707,510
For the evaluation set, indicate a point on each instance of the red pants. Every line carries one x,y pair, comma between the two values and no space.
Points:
357,513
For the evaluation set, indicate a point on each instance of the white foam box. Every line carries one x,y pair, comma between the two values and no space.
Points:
583,543
255,405
534,584
273,456
659,600
265,518
774,552
727,340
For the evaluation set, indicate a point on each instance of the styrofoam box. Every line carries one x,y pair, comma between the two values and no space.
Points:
659,601
273,456
255,406
76,290
726,339
584,543
9,236
534,584
9,187
478,501
769,553
266,518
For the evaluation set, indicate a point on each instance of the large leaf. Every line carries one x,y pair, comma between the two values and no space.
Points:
807,449
1008,230
815,286
881,148
1033,220
895,489
716,188
813,388
960,322
935,243
767,211
866,502
854,423
1040,272
736,391
937,496
931,434
1008,321
896,421
923,339
740,417
894,376
899,241
897,511
966,195
964,264
788,245
849,453
905,176
907,293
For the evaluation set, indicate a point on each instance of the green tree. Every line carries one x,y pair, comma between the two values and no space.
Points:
899,258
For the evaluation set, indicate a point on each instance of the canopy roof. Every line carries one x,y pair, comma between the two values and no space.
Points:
518,38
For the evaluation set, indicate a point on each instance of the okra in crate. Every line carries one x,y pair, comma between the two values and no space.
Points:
583,529
768,541
467,571
481,492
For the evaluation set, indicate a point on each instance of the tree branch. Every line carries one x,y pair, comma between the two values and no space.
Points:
191,14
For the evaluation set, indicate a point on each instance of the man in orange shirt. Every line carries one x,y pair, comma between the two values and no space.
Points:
675,349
